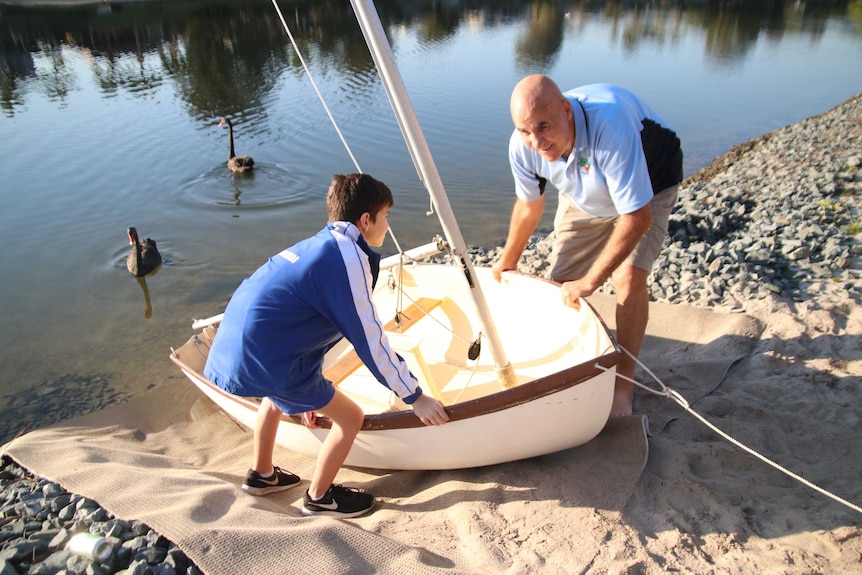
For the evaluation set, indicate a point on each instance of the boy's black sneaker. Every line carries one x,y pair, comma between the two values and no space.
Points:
279,481
339,501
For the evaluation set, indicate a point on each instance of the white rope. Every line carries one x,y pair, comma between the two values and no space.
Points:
668,392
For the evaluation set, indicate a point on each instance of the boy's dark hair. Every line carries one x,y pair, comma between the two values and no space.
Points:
352,195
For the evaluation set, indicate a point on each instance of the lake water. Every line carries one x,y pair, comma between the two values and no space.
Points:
109,119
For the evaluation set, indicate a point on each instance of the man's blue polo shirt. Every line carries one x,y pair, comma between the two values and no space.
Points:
624,152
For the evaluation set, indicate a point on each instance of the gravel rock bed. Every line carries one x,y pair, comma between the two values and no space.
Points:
38,518
776,217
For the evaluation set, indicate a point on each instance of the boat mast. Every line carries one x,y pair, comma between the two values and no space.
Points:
381,52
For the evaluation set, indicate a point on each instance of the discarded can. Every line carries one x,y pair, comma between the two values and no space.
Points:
90,545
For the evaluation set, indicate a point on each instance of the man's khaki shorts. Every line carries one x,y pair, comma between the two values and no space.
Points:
580,237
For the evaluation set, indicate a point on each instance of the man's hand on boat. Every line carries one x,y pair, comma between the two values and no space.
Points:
499,267
429,410
572,292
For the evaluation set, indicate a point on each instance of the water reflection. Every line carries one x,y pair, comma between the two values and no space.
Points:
56,78
541,41
236,189
148,310
650,27
437,24
225,58
222,66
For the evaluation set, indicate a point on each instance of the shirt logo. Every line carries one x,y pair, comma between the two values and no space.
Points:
289,256
584,165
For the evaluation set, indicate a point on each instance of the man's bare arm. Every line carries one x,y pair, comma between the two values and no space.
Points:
525,218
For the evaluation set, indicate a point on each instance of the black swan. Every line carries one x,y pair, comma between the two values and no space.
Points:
144,257
235,163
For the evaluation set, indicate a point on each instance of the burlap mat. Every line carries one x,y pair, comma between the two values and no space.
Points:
149,459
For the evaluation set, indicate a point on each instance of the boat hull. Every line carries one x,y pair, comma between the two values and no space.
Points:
565,368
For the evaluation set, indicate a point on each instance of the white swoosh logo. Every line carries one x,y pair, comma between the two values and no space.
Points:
331,506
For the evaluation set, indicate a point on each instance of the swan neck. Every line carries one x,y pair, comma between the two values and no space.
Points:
138,251
230,131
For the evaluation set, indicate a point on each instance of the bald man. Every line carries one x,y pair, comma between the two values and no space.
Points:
616,165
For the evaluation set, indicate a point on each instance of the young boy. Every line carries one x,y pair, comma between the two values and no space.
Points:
283,319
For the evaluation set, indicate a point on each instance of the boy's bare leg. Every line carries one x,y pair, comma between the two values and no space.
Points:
266,426
346,419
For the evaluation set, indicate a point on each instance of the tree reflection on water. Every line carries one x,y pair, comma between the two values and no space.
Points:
225,58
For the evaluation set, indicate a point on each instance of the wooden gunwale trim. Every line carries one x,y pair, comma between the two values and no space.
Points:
504,399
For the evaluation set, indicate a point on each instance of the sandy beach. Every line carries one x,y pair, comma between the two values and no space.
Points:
779,372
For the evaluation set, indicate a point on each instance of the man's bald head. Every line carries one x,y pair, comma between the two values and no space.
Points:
535,91
543,117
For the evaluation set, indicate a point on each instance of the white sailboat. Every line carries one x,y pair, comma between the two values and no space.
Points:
545,385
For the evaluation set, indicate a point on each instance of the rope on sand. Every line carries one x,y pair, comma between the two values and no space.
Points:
665,391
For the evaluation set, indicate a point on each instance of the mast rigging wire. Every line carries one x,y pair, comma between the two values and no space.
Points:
314,85
325,107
